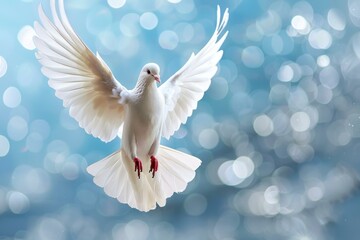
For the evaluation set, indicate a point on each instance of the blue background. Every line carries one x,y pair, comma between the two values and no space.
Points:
278,130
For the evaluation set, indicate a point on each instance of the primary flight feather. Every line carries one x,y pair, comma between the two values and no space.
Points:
146,113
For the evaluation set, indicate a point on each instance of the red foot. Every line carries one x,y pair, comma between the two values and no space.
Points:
154,165
138,166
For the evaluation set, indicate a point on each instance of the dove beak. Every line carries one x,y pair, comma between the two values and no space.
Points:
157,78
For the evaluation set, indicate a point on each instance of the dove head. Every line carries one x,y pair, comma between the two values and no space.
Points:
150,72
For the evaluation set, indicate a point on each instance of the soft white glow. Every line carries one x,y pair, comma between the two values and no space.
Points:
252,57
271,195
320,39
18,202
54,162
300,121
34,142
30,181
70,170
25,37
208,138
137,228
12,97
336,20
300,24
185,31
51,228
329,77
285,73
219,88
243,167
269,23
3,66
116,3
168,40
324,95
227,175
4,146
315,193
323,61
195,204
148,20
129,25
263,125
354,12
17,128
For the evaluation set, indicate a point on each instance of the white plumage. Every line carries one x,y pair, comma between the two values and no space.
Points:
102,106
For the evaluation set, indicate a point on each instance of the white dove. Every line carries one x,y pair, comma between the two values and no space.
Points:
102,106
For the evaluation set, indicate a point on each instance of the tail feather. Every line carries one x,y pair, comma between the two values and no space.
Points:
102,177
176,170
116,175
113,188
179,169
94,168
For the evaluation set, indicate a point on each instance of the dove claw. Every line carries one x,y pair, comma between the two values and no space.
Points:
138,166
154,165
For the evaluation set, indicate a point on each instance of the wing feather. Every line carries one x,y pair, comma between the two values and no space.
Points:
187,86
80,78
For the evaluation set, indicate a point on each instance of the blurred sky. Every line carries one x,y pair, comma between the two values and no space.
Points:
278,130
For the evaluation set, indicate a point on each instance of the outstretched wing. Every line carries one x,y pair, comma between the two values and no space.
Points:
82,80
186,87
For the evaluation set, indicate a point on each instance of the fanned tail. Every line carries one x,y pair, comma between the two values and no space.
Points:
176,169
115,173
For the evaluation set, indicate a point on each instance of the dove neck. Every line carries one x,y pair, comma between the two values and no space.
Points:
143,85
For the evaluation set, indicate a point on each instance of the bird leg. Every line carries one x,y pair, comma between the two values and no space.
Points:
138,166
154,165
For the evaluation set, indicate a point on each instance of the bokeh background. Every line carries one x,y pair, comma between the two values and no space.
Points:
278,131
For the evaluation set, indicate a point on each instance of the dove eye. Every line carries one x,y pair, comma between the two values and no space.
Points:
148,71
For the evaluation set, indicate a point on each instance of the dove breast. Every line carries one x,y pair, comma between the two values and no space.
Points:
144,120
